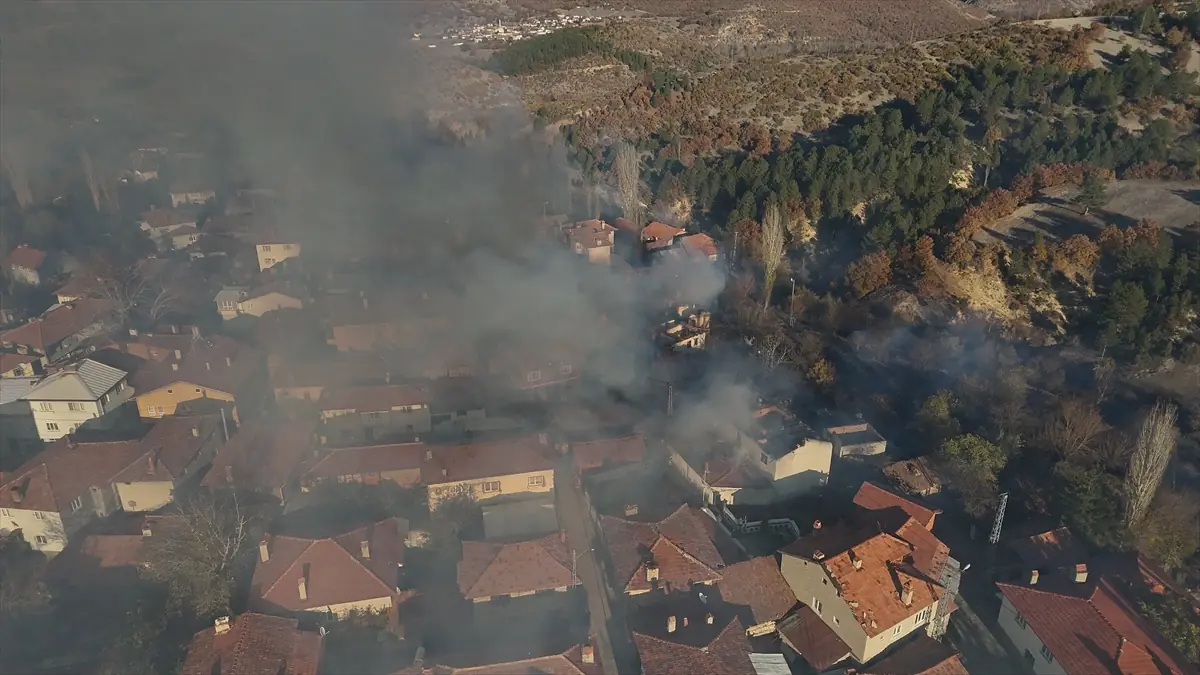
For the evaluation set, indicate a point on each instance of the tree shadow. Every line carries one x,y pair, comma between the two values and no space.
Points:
1190,194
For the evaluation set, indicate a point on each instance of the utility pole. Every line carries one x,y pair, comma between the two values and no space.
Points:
999,522
791,303
575,564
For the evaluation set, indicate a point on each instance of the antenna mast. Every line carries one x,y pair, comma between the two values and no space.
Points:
999,523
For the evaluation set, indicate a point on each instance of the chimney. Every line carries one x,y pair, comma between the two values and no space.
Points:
195,331
264,550
178,355
1033,577
685,622
671,624
708,618
543,438
196,432
588,654
652,575
366,305
16,494
631,509
228,361
906,594
229,473
387,377
445,473
1081,573
221,625
302,586
174,366
816,524
856,560
207,365
132,332
146,529
150,463
562,536
364,548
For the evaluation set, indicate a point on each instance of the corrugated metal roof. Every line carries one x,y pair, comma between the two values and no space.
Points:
13,388
87,380
770,664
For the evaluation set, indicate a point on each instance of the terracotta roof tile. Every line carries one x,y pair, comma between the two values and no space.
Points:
454,463
10,361
680,545
922,656
873,498
1051,549
757,584
569,662
700,245
334,569
608,452
64,471
373,398
262,456
365,461
728,654
26,256
256,644
169,447
492,568
216,362
813,639
56,324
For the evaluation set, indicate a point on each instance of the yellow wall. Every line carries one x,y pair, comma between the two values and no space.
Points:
401,477
171,395
145,495
512,484
376,605
269,303
272,254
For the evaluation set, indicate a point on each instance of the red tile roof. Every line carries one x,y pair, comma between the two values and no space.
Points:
10,361
335,571
660,235
365,461
923,656
700,245
874,498
26,256
608,452
492,568
378,398
56,324
813,639
757,584
256,644
1050,549
569,662
261,456
66,470
473,461
169,447
215,362
728,654
680,544
1085,626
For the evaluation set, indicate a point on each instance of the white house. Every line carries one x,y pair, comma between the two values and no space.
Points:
76,395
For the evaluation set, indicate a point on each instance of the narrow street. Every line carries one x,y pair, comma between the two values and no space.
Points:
574,518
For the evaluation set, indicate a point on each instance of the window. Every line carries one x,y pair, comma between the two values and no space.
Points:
269,261
816,605
924,615
266,247
374,415
51,426
5,513
1021,621
565,370
491,486
75,406
42,541
227,304
537,481
77,503
170,391
764,458
104,399
896,631
38,515
160,411
836,621
1029,658
46,406
1047,655
19,371
150,411
533,376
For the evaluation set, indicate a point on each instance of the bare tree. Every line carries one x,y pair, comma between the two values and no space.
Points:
1075,425
196,552
1102,373
771,249
628,170
1152,452
129,291
775,350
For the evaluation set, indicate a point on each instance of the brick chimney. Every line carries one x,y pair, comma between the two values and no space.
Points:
671,624
652,576
588,654
146,530
302,586
906,594
1081,573
364,548
264,550
221,625
1033,577
856,560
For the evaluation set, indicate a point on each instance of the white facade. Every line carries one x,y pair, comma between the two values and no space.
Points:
1037,656
43,530
72,397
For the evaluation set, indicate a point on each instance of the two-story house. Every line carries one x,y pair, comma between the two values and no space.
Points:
492,570
215,367
357,571
64,487
60,330
690,632
700,247
399,463
591,239
235,301
190,194
82,393
676,552
499,470
365,413
251,644
164,225
273,247
25,264
871,579
536,373
21,365
176,451
263,458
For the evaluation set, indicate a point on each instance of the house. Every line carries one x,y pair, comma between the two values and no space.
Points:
20,365
510,469
273,247
185,194
608,458
145,164
253,644
536,372
64,487
365,413
923,656
399,463
86,392
655,236
687,330
18,431
1069,622
872,579
234,301
494,570
215,367
915,476
689,634
699,247
757,586
459,406
111,558
163,225
856,439
262,457
60,330
676,552
176,450
576,660
591,239
182,237
358,571
365,334
301,380
26,265
807,638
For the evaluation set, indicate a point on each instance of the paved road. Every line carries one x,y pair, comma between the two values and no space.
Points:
983,653
573,516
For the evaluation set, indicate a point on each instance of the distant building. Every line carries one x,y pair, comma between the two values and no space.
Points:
184,194
691,635
273,247
679,551
499,470
369,412
215,367
163,226
263,457
177,449
235,301
687,330
26,263
915,476
592,239
20,365
60,330
856,439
